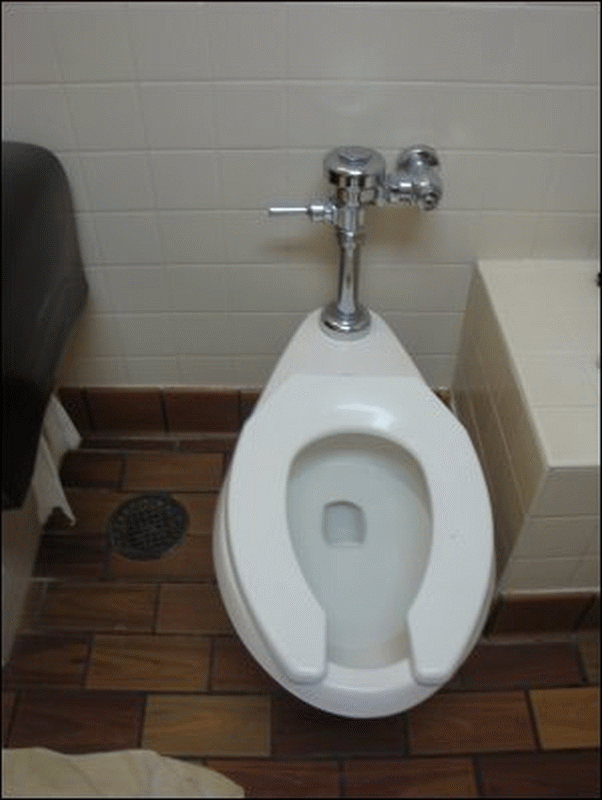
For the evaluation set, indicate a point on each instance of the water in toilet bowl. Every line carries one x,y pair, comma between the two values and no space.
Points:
359,521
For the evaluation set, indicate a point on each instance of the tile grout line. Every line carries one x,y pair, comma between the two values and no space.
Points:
123,471
156,603
210,665
88,663
533,720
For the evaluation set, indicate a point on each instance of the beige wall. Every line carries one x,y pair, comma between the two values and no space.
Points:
179,123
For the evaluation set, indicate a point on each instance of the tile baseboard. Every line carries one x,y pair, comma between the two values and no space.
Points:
131,411
543,614
134,412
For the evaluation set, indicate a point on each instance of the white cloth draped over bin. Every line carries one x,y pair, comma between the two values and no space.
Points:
58,435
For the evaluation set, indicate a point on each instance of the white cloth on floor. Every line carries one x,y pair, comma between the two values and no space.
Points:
39,772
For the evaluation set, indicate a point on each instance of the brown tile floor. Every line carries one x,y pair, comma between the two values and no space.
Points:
117,654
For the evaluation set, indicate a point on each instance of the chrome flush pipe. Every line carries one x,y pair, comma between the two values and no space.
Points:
358,175
346,314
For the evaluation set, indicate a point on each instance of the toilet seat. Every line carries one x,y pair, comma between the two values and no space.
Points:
403,410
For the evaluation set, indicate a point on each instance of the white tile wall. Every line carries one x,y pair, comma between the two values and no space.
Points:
128,237
177,115
102,171
29,55
178,123
91,41
106,117
169,42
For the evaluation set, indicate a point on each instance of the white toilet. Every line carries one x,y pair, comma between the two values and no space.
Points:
353,540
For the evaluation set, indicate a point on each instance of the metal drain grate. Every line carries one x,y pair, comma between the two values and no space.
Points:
147,526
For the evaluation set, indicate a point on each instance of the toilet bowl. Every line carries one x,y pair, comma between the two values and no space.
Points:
353,538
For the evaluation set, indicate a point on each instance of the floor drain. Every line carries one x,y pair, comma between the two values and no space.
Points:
147,526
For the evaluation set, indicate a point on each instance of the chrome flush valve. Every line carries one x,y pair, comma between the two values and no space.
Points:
359,178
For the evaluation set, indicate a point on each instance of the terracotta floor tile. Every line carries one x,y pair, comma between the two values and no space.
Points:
65,555
77,721
8,705
149,663
198,658
99,607
191,608
194,472
263,778
589,647
471,722
515,666
81,468
415,777
51,660
566,774
201,511
235,669
214,725
301,730
92,509
567,718
191,560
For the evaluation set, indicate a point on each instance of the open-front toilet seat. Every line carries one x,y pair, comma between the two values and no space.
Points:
454,594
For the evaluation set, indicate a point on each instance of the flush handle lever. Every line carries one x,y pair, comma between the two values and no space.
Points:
317,212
